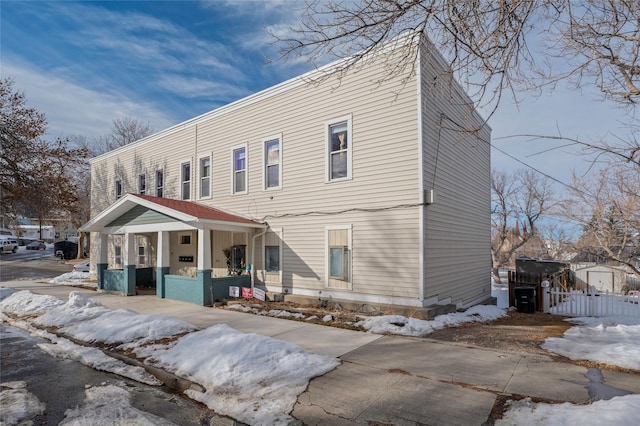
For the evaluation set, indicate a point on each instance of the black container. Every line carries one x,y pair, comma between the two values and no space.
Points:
65,249
525,298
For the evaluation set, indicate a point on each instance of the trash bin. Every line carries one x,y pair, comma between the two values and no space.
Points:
525,298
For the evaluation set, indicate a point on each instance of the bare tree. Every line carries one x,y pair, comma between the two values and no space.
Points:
124,131
493,47
608,210
21,130
523,195
37,180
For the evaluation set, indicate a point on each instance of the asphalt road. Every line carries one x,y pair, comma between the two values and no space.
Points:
32,265
61,384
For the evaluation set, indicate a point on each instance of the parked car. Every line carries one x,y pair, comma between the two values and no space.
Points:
65,249
8,246
36,245
81,267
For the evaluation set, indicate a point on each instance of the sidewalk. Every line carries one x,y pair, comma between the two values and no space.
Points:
385,379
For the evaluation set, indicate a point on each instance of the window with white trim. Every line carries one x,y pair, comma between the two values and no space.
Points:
114,243
205,176
185,180
142,183
338,257
273,256
159,183
272,170
118,188
240,170
338,146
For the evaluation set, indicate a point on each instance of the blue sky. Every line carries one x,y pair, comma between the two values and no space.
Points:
84,64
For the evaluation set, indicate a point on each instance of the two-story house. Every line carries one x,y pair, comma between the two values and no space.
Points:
351,187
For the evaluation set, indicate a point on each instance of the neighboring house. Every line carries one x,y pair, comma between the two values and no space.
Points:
352,189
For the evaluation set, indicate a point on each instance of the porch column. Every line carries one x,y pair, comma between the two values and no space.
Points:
102,259
204,265
129,264
163,262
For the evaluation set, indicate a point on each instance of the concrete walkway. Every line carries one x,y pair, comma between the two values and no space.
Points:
385,379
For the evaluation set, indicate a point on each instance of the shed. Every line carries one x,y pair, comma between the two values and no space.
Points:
602,278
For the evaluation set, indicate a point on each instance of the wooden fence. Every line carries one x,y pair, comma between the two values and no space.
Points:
583,303
563,279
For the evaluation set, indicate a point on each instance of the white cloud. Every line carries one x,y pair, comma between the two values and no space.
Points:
193,87
74,109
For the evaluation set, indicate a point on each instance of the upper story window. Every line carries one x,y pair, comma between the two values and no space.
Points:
185,179
205,177
118,188
272,162
338,140
142,184
159,183
240,170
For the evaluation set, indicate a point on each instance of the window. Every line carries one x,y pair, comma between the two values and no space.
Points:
185,239
118,256
272,241
118,189
338,261
272,160
142,184
205,177
159,183
240,170
142,258
338,149
272,258
185,178
338,258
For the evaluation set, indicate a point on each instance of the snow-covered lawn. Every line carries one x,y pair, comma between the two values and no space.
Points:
262,385
74,278
259,387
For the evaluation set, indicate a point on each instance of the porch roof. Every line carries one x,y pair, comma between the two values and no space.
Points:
183,211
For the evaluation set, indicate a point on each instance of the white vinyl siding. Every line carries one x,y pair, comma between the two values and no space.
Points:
457,226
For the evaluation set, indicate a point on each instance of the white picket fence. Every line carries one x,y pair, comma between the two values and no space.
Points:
583,303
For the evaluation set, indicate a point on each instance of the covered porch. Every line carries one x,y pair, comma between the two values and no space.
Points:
182,250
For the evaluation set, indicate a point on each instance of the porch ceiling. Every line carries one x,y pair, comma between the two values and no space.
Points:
133,209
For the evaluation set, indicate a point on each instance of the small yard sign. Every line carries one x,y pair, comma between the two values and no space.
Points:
259,294
234,291
247,293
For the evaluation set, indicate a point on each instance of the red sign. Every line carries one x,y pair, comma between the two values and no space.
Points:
247,293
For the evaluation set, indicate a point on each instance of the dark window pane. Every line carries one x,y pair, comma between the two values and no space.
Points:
273,176
338,165
272,258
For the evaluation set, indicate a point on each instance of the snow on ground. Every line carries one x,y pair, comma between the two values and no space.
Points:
261,386
110,404
611,340
74,278
397,324
18,404
621,410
